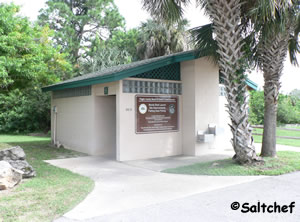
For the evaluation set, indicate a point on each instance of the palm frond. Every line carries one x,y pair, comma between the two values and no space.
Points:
266,10
168,10
204,42
294,49
294,43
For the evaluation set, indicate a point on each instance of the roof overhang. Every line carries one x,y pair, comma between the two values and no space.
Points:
124,73
141,67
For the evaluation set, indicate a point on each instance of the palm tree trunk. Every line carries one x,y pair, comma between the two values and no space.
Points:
272,55
270,119
226,24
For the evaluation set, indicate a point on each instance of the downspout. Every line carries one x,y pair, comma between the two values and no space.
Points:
54,124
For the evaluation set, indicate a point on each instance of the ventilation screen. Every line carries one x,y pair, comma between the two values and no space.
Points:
74,92
169,72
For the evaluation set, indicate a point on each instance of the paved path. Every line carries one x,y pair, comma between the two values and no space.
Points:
120,187
137,191
215,205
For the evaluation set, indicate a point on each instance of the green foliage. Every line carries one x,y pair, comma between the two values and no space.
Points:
26,56
257,107
102,56
287,112
288,109
158,39
27,61
24,111
202,37
77,23
125,41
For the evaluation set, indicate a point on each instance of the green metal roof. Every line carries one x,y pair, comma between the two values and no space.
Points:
122,71
127,70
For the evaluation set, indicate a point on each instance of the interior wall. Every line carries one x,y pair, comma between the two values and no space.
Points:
105,128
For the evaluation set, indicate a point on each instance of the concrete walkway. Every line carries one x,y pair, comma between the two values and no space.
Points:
137,191
120,187
215,206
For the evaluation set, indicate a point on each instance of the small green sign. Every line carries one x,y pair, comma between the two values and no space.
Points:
106,90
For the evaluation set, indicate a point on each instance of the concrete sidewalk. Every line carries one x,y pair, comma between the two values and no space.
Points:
134,187
215,206
120,187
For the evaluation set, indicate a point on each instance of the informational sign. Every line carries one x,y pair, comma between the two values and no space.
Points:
156,114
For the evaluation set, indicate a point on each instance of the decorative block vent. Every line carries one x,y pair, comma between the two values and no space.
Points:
149,87
169,72
74,92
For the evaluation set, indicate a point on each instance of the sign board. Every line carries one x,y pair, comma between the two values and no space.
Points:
106,90
156,114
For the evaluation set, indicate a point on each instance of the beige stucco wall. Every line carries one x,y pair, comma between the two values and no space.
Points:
188,76
87,123
99,88
75,123
200,80
105,124
131,146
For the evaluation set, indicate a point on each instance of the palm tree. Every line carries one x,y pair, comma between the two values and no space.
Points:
276,36
226,18
158,38
269,40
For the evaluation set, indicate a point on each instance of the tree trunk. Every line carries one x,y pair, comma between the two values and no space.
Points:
272,55
270,119
226,24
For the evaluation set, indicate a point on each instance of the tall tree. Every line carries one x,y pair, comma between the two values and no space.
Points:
159,38
78,22
226,18
270,29
28,61
27,57
125,41
103,55
277,27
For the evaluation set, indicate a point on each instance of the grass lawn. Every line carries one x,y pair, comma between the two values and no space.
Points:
279,132
286,162
53,192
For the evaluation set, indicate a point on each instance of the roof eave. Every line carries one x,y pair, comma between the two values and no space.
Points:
122,74
251,84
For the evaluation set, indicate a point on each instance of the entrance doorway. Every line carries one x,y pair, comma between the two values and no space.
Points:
106,126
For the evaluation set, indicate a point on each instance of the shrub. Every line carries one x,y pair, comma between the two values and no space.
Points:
287,112
288,109
24,111
256,107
